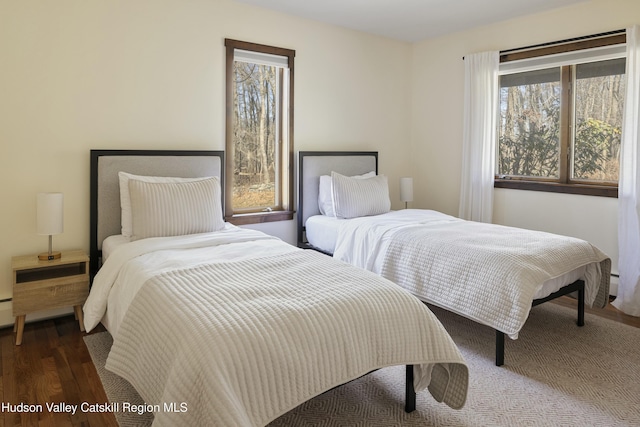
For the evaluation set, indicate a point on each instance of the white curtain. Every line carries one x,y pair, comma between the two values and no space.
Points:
479,135
628,299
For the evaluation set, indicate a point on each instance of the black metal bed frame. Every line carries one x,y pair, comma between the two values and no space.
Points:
577,286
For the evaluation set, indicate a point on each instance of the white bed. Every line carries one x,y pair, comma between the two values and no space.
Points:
238,325
488,273
111,243
323,231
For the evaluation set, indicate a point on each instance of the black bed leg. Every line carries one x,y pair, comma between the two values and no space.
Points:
499,348
581,304
410,398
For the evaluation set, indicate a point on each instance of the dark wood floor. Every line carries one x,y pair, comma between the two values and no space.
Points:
53,365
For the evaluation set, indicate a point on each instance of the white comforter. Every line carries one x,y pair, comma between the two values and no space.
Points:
242,338
133,263
488,273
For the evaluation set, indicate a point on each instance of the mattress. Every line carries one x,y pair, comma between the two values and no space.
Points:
322,233
111,243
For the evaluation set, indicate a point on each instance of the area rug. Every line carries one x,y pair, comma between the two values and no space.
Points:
555,374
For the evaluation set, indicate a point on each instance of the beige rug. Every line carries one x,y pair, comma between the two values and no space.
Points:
555,374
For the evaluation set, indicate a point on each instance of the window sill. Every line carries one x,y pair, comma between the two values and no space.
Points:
259,217
555,187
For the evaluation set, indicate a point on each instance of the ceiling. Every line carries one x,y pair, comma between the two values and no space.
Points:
410,20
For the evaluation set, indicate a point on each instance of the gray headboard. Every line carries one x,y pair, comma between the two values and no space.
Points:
313,164
105,188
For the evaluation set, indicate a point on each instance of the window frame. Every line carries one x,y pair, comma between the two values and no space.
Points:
286,170
564,183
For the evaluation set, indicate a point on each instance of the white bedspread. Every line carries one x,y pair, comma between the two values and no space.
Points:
488,273
243,338
139,260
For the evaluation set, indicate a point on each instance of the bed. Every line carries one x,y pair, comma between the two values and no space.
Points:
488,273
219,325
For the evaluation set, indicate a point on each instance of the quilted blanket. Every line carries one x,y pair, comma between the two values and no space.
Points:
240,342
486,272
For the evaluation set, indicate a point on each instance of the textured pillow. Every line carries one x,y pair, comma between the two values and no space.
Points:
125,199
160,209
354,197
325,199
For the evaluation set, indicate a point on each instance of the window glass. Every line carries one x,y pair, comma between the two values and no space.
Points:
529,123
598,104
255,132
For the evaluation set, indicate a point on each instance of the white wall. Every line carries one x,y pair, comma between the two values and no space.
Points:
149,74
437,115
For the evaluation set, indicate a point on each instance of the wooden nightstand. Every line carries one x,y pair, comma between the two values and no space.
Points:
45,285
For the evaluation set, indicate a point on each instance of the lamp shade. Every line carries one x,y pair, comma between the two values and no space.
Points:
50,213
406,189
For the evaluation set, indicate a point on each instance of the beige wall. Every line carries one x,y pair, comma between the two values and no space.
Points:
149,74
437,116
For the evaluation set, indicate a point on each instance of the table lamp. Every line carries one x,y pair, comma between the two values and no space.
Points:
50,220
406,190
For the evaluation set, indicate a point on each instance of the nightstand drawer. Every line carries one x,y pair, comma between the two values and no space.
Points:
49,294
50,272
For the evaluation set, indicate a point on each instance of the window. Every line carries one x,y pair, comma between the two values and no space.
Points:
259,133
560,117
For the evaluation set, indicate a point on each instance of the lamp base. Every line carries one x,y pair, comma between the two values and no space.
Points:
46,256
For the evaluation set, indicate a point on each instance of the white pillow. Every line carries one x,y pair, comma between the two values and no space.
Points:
325,199
160,209
125,199
354,197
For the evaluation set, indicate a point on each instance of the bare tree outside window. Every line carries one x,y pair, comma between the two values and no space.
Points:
254,133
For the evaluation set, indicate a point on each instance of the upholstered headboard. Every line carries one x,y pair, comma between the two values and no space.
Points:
105,188
312,165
